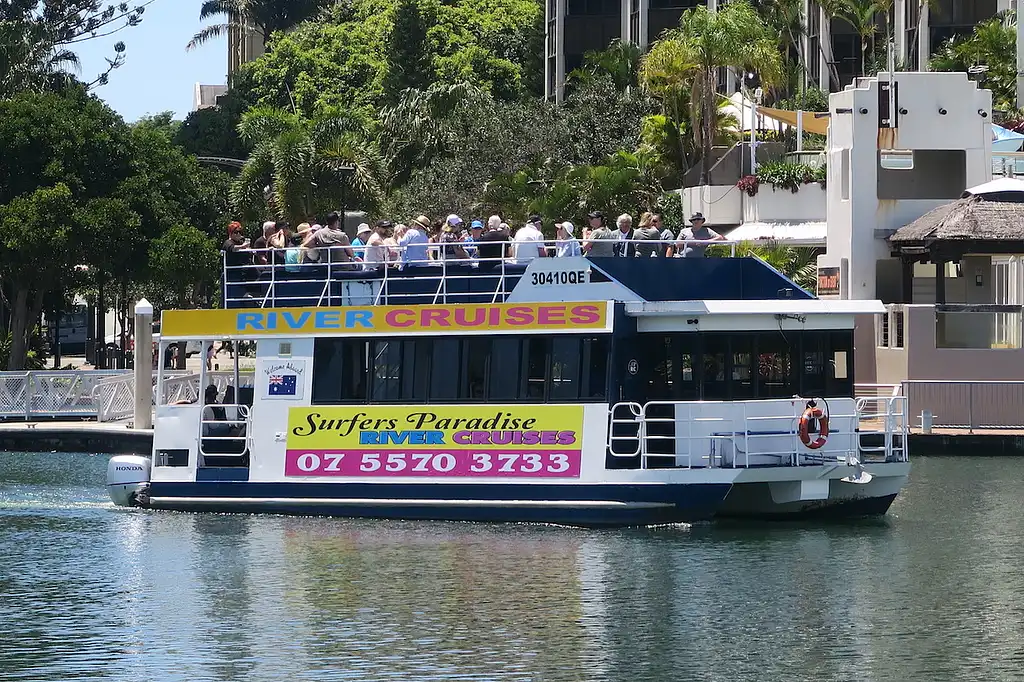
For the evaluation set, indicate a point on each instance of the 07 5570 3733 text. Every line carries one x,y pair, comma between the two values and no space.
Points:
434,463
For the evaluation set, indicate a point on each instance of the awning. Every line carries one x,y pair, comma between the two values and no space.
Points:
788,234
812,122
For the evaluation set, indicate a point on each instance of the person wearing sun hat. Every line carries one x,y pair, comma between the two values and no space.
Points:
693,241
413,244
363,233
566,244
451,238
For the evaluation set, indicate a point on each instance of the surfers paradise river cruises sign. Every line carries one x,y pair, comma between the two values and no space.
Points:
464,318
478,441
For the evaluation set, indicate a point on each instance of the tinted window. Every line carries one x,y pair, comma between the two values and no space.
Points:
475,352
503,374
386,366
339,371
535,360
444,370
565,368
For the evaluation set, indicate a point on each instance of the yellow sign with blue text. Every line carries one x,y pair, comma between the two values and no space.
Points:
462,318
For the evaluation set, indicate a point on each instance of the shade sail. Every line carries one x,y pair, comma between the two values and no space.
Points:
814,122
809,233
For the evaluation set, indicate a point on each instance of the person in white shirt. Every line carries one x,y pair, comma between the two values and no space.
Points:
566,244
529,241
376,253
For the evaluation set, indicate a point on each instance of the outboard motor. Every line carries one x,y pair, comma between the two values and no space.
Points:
128,480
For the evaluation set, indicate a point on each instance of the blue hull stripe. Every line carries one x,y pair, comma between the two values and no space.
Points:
575,504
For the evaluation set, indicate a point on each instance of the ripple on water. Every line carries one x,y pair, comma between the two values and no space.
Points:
88,591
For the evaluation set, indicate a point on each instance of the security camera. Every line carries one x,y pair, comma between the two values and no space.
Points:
903,111
982,113
942,112
863,110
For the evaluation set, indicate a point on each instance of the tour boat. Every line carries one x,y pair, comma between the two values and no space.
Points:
578,391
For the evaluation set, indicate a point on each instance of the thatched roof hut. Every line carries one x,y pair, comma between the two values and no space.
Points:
988,219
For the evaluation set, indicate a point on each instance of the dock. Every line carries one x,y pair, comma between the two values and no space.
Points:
77,436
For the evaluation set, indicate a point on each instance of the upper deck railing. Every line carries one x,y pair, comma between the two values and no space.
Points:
336,278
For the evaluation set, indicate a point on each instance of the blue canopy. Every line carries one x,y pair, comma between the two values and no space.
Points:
1004,140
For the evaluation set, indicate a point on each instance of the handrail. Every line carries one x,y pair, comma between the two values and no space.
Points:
267,277
736,443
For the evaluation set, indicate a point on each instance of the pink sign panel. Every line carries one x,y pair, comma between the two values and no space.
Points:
434,463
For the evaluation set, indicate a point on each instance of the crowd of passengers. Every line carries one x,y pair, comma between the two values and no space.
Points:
422,242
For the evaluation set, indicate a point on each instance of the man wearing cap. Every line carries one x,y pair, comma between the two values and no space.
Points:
413,243
476,230
566,244
529,241
451,239
363,233
693,241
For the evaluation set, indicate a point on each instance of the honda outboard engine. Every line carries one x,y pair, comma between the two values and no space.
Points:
128,480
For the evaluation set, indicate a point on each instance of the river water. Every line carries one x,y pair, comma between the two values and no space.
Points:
87,591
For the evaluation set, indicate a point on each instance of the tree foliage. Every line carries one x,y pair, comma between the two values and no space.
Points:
992,44
38,38
78,187
366,52
262,16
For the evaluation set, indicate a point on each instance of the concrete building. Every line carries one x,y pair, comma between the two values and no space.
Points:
575,27
205,96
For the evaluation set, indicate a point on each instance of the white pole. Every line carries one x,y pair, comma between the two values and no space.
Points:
800,130
143,365
753,136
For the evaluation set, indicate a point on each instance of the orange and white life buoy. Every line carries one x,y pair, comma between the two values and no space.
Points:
809,415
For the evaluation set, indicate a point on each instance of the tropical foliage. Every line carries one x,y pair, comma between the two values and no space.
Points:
991,45
262,16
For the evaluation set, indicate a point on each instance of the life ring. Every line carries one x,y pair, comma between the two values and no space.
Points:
809,415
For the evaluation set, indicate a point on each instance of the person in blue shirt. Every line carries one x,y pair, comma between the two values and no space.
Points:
359,243
476,230
413,243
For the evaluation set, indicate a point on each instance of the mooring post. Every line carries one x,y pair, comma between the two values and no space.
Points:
143,365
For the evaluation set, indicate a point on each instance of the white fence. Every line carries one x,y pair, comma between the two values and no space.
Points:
93,394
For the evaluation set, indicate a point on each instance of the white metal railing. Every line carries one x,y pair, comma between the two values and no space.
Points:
104,395
260,285
228,437
702,435
49,394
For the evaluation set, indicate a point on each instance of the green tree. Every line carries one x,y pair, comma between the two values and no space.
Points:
992,44
409,55
733,37
38,39
262,16
310,166
184,265
620,61
862,16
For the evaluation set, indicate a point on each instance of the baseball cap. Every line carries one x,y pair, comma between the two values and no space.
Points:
454,220
476,225
595,214
567,226
535,218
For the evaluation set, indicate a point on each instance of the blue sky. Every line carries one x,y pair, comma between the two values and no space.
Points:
158,74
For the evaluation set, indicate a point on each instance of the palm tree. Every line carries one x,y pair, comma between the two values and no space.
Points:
733,37
668,73
862,16
263,16
620,61
307,166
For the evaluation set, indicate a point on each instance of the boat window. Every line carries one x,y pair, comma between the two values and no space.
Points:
595,363
387,366
812,364
339,371
840,367
713,380
503,377
444,370
475,353
565,368
492,368
774,366
536,361
742,381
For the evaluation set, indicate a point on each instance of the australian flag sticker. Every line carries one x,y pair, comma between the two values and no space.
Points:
282,384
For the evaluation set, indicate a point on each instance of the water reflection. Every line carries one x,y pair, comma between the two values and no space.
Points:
92,592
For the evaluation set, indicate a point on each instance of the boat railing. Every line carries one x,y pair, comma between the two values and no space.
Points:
224,439
435,279
698,434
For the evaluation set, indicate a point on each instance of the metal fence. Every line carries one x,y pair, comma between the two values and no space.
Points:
967,404
93,394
